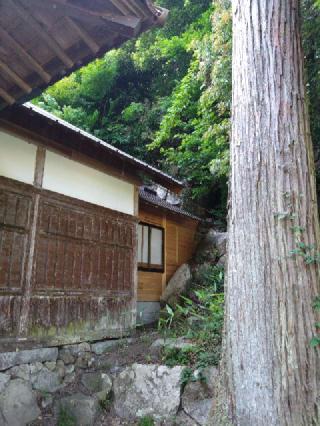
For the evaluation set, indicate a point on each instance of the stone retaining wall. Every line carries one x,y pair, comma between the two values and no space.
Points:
37,385
29,378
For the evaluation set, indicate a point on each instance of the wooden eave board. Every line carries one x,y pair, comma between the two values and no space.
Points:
43,41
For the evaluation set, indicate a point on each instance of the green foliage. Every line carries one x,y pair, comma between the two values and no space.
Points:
105,404
316,304
311,45
199,317
122,97
170,91
146,421
310,255
209,275
65,418
165,320
315,341
177,356
193,134
308,252
186,376
163,91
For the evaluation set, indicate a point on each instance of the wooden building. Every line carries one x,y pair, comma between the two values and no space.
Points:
72,233
69,202
166,241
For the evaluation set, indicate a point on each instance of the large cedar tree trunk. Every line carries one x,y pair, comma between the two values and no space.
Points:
271,367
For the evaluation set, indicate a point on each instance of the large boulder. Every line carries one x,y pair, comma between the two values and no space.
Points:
183,419
198,394
18,404
208,377
84,409
177,285
4,380
212,247
222,261
147,390
219,240
198,409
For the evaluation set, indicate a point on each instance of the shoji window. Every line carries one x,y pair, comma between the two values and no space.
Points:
150,248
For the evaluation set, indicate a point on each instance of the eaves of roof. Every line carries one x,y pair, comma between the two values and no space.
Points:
45,122
43,41
156,201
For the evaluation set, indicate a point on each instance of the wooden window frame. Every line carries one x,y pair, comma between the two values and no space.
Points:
148,267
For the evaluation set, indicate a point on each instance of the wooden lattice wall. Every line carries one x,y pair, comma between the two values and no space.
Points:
67,267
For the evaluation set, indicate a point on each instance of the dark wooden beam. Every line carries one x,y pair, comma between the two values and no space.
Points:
129,26
28,59
25,15
133,7
39,167
8,98
93,46
15,78
124,10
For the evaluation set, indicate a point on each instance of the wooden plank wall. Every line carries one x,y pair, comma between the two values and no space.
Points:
82,272
150,284
179,247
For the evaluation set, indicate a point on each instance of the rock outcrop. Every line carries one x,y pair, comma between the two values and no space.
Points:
148,390
177,285
212,248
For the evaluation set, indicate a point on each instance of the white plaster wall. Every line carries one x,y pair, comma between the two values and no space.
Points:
76,180
17,158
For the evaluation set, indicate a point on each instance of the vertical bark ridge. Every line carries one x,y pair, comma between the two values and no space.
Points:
273,371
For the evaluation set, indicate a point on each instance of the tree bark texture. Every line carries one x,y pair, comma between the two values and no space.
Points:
273,372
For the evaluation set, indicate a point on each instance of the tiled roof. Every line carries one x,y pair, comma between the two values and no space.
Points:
151,198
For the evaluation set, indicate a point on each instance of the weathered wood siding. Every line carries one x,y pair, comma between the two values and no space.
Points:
82,266
179,247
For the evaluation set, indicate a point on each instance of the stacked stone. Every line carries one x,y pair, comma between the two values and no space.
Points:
39,382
